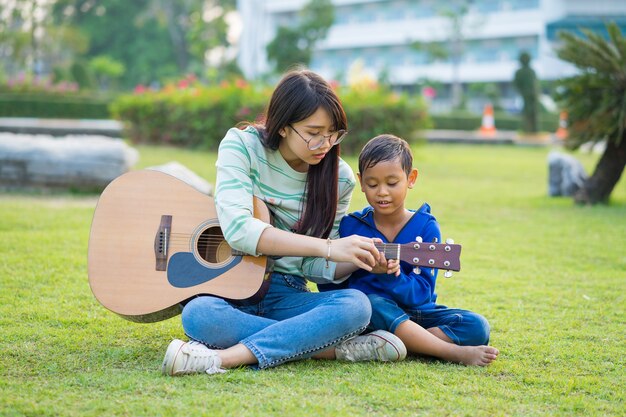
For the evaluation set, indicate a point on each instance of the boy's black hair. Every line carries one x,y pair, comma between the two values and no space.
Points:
384,148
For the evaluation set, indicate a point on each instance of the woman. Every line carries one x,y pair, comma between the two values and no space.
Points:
292,163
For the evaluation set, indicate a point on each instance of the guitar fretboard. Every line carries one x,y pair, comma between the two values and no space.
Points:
390,250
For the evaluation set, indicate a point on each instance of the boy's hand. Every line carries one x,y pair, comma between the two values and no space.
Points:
384,266
393,267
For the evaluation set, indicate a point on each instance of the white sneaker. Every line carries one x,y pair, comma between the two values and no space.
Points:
376,346
182,358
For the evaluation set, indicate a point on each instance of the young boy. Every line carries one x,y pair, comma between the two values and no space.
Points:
404,302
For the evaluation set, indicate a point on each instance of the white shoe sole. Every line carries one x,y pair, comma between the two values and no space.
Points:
394,347
171,354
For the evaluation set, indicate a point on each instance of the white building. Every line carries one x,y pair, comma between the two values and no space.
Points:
380,32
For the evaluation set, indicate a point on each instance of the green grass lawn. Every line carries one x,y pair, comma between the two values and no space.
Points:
550,277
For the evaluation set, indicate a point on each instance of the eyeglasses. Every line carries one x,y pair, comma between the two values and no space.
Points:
316,141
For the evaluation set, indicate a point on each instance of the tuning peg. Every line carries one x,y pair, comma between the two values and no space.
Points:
417,270
435,240
449,241
447,274
418,239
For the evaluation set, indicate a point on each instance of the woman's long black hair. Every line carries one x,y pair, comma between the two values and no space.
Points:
297,96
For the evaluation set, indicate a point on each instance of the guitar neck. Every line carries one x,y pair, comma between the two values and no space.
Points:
433,255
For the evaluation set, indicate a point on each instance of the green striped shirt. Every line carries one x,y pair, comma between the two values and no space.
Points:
245,168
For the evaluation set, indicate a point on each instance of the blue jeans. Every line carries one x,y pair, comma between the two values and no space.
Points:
289,323
463,327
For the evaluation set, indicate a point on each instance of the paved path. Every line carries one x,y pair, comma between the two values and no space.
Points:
62,127
500,137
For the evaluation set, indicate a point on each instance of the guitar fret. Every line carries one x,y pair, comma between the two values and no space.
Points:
390,250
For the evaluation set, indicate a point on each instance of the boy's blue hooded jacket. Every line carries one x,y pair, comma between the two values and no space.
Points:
409,290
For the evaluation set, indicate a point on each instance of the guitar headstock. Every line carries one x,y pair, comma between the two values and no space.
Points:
445,256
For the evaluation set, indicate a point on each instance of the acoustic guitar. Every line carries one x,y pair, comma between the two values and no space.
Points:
155,243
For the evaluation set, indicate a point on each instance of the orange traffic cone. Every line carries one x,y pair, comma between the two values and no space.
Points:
488,127
561,132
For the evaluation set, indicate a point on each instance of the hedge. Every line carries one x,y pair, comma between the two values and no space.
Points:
199,116
191,117
53,106
463,121
372,112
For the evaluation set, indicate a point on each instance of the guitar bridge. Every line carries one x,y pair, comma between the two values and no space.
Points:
161,242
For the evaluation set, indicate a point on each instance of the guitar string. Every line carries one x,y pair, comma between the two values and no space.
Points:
390,252
210,242
220,237
389,249
178,237
188,236
185,239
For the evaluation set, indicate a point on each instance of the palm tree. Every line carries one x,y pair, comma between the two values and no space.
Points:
595,100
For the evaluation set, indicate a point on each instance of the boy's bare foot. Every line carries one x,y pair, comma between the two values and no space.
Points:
476,355
433,342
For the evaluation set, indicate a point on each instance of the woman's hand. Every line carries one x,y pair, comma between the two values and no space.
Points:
357,250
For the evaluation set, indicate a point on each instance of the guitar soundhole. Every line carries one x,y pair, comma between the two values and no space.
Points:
212,247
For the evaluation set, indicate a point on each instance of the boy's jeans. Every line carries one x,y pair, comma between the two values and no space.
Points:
463,327
289,323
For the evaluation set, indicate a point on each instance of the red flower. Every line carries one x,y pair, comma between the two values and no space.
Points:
140,89
243,112
429,92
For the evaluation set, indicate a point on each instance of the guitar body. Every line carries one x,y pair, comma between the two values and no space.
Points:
155,242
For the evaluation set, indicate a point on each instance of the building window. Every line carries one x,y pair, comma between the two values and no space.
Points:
523,4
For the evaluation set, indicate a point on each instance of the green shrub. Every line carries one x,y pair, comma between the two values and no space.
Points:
191,115
374,111
81,75
44,105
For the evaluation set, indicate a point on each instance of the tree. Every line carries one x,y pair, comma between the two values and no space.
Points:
29,43
155,40
106,70
488,91
595,100
294,44
211,37
14,38
173,16
453,49
526,83
195,27
115,28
